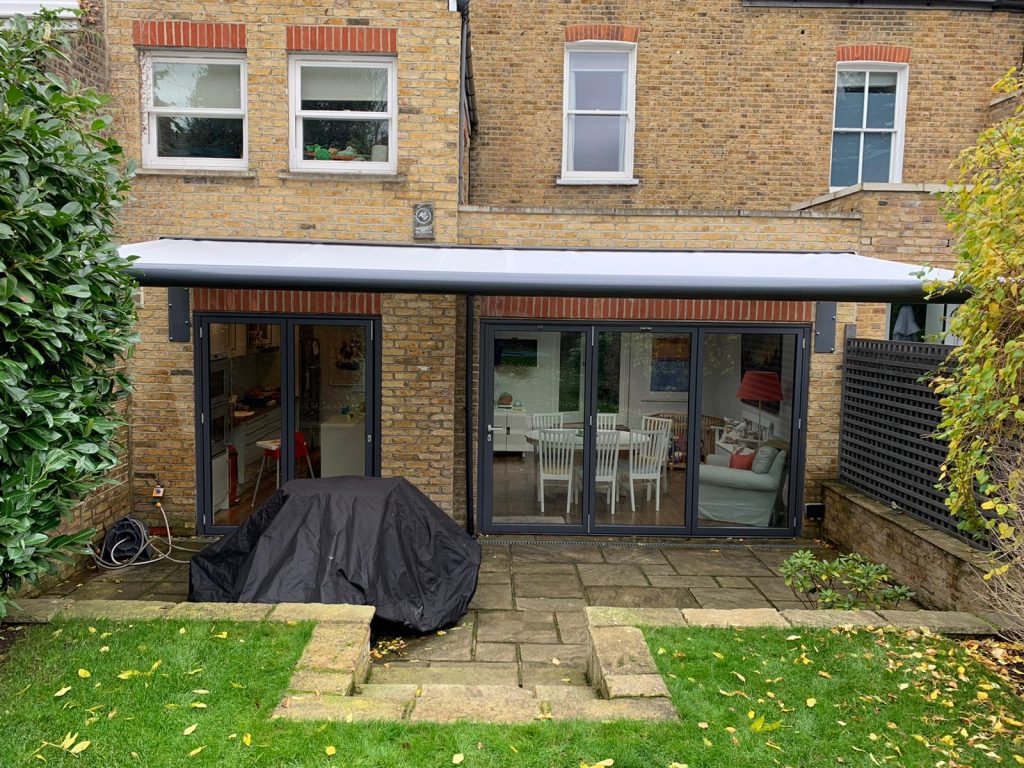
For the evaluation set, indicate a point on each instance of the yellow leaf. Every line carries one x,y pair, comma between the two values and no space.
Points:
556,662
128,674
741,677
200,691
221,635
703,726
190,730
84,673
247,739
718,655
757,725
62,691
196,751
811,702
330,751
441,633
981,695
181,630
105,649
194,671
80,747
678,765
457,758
662,651
708,742
69,739
155,667
823,673
198,705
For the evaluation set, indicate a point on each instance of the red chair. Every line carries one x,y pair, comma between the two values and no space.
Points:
274,454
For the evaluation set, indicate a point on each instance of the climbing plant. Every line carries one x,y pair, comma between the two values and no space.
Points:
66,311
980,390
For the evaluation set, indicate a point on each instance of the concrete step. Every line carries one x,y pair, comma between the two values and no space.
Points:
480,673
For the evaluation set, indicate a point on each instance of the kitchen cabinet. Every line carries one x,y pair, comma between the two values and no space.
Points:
228,340
245,435
342,447
511,427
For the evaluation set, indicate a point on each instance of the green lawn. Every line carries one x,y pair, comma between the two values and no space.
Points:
878,700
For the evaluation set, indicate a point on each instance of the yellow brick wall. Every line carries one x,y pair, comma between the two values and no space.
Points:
733,103
269,202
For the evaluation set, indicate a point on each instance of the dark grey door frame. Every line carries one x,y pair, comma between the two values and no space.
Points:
698,331
287,324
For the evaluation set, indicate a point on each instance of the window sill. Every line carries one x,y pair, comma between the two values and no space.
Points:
197,172
378,178
597,182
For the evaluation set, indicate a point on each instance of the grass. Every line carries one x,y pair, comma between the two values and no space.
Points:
879,693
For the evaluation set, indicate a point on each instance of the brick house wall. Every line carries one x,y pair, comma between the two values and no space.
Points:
268,201
733,103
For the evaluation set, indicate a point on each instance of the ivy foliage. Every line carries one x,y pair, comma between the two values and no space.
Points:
980,393
66,310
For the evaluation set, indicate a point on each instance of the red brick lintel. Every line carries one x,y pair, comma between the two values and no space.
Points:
896,54
189,34
298,302
340,38
576,32
647,309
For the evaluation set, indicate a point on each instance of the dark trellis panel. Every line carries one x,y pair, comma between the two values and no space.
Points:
886,448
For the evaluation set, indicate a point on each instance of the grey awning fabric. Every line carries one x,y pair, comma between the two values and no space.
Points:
798,275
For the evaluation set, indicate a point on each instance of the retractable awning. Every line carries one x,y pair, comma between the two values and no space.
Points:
799,275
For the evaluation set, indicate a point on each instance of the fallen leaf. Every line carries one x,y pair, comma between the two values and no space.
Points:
62,691
196,751
84,673
105,649
247,739
458,757
198,705
190,730
330,750
200,691
221,635
703,726
80,747
811,702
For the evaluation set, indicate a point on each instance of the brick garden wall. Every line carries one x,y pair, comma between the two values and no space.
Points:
733,103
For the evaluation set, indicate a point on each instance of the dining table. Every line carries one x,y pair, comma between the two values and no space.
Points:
626,438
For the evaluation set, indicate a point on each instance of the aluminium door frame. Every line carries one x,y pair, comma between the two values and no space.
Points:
288,322
698,331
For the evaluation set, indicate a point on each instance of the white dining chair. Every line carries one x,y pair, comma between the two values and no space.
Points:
556,451
662,424
608,463
539,421
647,449
607,420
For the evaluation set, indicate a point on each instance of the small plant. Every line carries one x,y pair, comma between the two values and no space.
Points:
318,152
847,583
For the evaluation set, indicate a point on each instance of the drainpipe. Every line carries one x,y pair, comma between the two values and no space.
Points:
470,319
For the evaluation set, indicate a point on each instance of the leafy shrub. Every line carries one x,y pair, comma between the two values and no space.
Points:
66,310
847,583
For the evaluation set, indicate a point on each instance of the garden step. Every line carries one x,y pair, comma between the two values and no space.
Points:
497,673
616,709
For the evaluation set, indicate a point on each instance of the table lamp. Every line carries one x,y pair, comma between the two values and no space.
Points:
762,386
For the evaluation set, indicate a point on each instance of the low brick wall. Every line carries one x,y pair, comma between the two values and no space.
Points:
943,571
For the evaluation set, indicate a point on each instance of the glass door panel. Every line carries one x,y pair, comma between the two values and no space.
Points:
643,391
331,400
746,427
245,418
534,434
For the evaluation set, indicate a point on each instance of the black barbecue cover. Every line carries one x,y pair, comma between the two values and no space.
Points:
360,540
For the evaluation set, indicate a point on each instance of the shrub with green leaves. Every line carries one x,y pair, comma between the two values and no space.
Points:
66,311
847,583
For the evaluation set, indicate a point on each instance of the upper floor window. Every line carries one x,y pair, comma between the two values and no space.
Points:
867,132
599,113
343,114
195,111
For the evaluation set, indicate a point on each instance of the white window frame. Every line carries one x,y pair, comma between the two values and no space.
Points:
898,130
9,8
600,177
298,162
150,155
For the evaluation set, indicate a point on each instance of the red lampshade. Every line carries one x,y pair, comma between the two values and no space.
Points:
760,385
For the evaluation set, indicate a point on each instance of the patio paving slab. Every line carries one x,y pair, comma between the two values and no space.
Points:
492,597
774,588
545,652
315,681
612,575
403,691
341,614
117,609
634,555
635,686
34,611
546,553
339,708
827,619
495,577
722,598
495,652
455,645
517,627
703,563
599,616
666,576
534,673
220,611
641,597
572,627
546,585
565,569
450,709
734,582
944,622
657,710
563,604
749,617
565,692
475,673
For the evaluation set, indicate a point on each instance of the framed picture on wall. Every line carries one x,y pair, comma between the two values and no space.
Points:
347,358
670,363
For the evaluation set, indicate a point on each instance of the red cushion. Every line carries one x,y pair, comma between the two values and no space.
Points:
741,461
